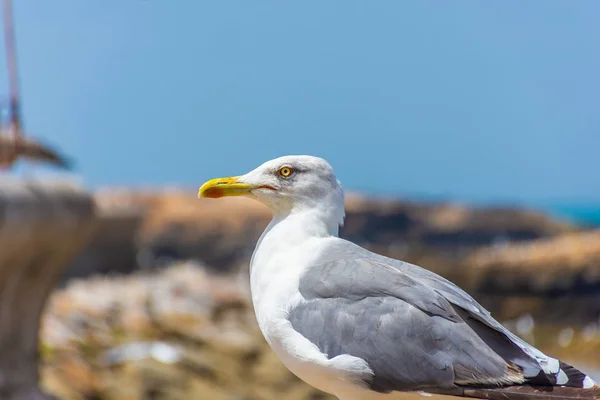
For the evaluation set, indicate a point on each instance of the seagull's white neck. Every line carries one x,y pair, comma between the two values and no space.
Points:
308,219
290,235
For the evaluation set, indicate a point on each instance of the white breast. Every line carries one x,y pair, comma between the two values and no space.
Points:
276,267
281,256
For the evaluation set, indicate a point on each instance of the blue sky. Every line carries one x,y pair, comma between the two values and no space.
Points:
470,100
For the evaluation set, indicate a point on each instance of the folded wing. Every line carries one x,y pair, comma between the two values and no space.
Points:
415,329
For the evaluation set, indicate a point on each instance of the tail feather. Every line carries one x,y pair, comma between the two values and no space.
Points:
565,375
533,393
575,378
568,383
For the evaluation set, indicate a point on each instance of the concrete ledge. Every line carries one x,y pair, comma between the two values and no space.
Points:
43,225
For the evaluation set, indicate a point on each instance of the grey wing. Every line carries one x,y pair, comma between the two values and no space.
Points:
410,336
536,366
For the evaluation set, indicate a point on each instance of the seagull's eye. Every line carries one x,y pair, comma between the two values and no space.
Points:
285,172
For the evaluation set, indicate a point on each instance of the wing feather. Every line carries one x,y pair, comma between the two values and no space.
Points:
415,329
411,336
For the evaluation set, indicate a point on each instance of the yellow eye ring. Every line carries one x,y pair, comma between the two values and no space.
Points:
285,172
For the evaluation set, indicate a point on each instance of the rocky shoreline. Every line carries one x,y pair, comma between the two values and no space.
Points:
157,306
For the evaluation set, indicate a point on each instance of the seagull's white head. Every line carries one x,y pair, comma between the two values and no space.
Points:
288,184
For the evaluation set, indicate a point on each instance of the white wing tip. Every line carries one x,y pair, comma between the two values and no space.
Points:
588,383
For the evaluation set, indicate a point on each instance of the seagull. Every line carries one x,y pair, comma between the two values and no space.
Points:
361,326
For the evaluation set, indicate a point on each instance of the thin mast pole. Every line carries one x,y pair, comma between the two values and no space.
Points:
13,77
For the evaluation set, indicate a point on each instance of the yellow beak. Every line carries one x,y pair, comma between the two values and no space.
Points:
221,187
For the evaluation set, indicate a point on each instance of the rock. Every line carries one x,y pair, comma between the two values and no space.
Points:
554,279
195,336
147,230
181,353
177,278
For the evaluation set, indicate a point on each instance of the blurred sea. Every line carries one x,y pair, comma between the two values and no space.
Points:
583,214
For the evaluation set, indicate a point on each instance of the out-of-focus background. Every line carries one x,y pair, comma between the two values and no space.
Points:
467,136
